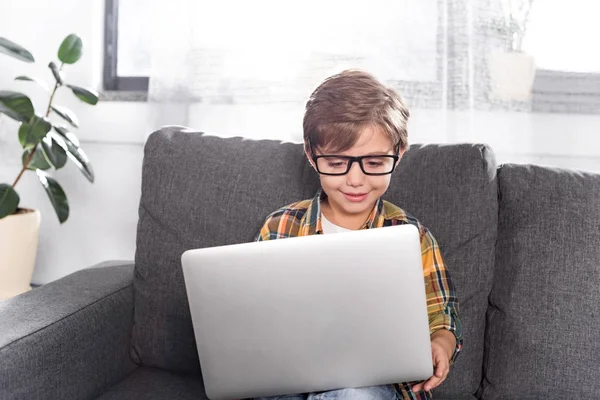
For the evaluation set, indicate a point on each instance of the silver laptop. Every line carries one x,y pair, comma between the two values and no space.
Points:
309,314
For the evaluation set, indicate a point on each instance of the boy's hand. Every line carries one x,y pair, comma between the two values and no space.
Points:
443,343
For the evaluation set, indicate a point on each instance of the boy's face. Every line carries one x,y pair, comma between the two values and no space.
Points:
352,196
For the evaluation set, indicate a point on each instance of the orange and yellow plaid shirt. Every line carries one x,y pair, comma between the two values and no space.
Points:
304,218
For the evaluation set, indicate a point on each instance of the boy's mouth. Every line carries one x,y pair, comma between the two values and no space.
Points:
355,197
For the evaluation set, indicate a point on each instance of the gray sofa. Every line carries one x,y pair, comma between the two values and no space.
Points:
522,243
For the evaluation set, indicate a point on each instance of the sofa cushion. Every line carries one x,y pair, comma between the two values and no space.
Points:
543,334
199,191
155,384
452,190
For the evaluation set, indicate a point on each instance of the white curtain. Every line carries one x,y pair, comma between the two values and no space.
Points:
247,67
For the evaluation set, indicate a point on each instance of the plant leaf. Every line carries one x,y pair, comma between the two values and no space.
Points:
78,156
38,161
9,200
56,195
87,95
40,82
31,133
67,115
16,105
14,50
82,161
56,72
70,49
64,132
54,152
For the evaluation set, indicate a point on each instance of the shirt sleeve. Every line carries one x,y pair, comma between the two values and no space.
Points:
268,231
442,303
405,392
277,225
263,233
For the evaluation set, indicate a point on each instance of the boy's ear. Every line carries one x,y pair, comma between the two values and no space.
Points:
400,155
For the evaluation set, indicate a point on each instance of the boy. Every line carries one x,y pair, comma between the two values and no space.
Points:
354,137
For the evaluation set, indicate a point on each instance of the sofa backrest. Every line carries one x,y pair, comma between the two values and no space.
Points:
543,331
452,190
200,191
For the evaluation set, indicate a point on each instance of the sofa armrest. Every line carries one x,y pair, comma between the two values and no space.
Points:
68,339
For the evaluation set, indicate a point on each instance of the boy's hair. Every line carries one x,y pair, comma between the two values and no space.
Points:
345,103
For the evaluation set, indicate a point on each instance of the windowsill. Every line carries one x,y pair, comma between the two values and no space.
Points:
545,103
121,95
566,92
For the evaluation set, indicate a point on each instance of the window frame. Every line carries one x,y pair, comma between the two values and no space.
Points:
111,80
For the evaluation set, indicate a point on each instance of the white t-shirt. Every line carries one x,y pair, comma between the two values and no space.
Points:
329,227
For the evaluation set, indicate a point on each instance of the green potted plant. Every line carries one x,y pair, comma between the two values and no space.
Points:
47,143
512,71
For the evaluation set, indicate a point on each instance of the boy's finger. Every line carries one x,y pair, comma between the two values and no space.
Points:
431,383
439,370
442,366
419,386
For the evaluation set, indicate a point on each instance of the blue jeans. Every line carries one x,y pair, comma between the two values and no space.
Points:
385,392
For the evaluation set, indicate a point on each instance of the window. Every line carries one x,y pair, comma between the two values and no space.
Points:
560,36
126,57
430,50
134,33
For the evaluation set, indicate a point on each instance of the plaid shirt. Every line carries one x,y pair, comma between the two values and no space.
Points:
304,218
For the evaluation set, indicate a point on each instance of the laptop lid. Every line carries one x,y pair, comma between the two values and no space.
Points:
310,313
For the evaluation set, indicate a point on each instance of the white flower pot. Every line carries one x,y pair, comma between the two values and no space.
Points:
511,76
18,247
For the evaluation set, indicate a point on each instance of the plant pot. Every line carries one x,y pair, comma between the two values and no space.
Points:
18,248
511,76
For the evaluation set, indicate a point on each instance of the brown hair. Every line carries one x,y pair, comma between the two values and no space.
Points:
345,103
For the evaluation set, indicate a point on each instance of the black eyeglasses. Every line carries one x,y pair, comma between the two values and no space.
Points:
370,165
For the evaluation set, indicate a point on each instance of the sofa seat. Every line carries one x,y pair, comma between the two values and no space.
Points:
156,384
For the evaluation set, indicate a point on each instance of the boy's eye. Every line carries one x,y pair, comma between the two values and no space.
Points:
335,164
375,162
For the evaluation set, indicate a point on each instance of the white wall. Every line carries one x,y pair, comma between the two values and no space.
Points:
103,216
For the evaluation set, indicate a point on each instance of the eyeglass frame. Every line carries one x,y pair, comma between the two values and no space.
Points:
352,160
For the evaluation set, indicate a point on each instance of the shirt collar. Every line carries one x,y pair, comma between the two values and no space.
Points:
313,224
312,218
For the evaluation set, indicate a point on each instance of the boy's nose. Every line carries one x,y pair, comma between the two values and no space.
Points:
355,176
